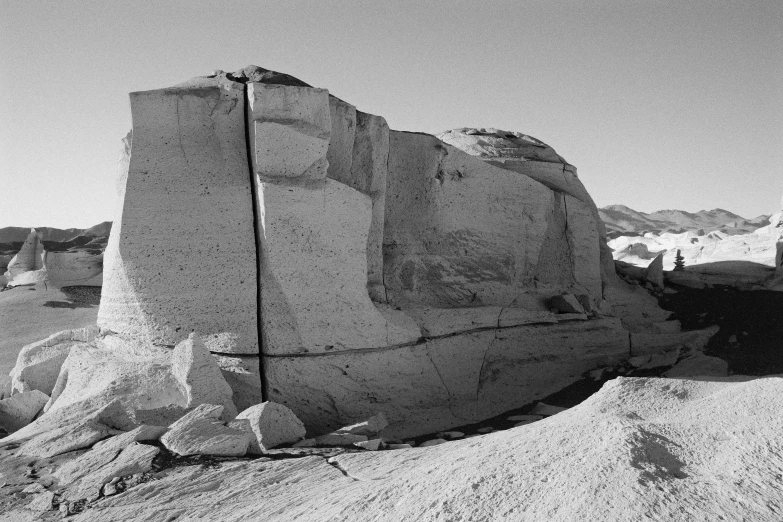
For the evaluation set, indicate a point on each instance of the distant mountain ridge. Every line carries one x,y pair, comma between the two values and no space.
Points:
55,239
621,220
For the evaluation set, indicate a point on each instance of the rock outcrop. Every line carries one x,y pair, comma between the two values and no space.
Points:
343,270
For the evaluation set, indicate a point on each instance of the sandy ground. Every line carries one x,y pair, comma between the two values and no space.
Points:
32,313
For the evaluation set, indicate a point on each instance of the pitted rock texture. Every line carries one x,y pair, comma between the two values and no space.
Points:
181,253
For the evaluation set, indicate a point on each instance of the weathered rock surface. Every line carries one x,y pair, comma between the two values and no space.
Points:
199,375
654,272
669,448
20,409
186,216
38,364
444,382
84,475
444,246
526,155
272,424
200,432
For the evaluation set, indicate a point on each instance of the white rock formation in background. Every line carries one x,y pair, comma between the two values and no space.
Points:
28,266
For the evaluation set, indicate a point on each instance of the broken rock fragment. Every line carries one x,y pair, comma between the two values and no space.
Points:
200,376
272,424
19,410
371,426
201,433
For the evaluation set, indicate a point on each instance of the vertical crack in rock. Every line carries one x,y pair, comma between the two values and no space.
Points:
257,238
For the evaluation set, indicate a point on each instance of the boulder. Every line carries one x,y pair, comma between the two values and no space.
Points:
78,427
272,424
111,368
199,375
38,364
200,432
20,409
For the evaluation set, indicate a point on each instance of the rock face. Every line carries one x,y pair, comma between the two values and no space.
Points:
349,268
181,254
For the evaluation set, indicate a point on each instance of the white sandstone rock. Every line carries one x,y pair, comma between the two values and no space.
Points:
110,368
20,409
290,130
186,216
38,364
314,271
101,455
200,432
444,246
76,428
134,458
200,376
272,424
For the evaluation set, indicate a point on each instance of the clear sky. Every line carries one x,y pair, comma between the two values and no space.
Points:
660,104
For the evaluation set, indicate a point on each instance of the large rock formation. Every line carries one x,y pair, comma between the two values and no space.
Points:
342,269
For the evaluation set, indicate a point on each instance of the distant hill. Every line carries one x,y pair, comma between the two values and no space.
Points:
55,239
624,221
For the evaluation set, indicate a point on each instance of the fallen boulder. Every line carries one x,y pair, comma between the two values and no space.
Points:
200,432
272,424
199,375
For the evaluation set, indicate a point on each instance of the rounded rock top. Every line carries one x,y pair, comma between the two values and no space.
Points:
495,143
